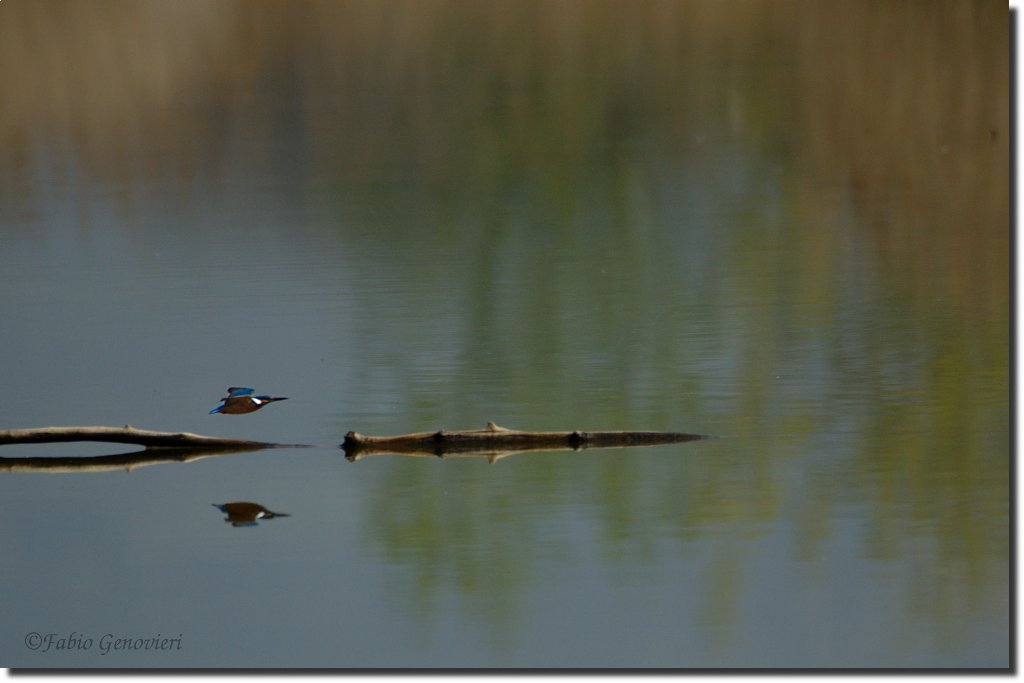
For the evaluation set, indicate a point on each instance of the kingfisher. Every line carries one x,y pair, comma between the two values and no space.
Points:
246,514
240,400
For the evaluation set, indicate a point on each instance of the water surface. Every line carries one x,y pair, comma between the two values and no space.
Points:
734,220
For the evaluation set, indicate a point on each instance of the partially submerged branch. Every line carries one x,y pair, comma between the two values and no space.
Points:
109,463
128,434
496,442
493,442
159,448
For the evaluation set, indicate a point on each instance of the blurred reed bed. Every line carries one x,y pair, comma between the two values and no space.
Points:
907,101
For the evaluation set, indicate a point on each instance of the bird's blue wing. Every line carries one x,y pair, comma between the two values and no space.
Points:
238,391
217,409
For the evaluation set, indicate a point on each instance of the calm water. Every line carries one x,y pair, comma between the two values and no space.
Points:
714,218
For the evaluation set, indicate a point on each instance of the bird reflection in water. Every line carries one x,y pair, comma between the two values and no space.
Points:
246,514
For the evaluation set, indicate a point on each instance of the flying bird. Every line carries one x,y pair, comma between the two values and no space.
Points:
240,400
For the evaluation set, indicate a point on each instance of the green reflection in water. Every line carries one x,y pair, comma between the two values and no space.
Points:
781,222
830,308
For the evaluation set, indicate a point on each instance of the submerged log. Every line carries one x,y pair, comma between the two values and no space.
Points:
123,462
129,434
493,442
159,448
496,442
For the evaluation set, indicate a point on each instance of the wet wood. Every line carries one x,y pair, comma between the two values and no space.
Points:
495,442
492,442
124,462
128,434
